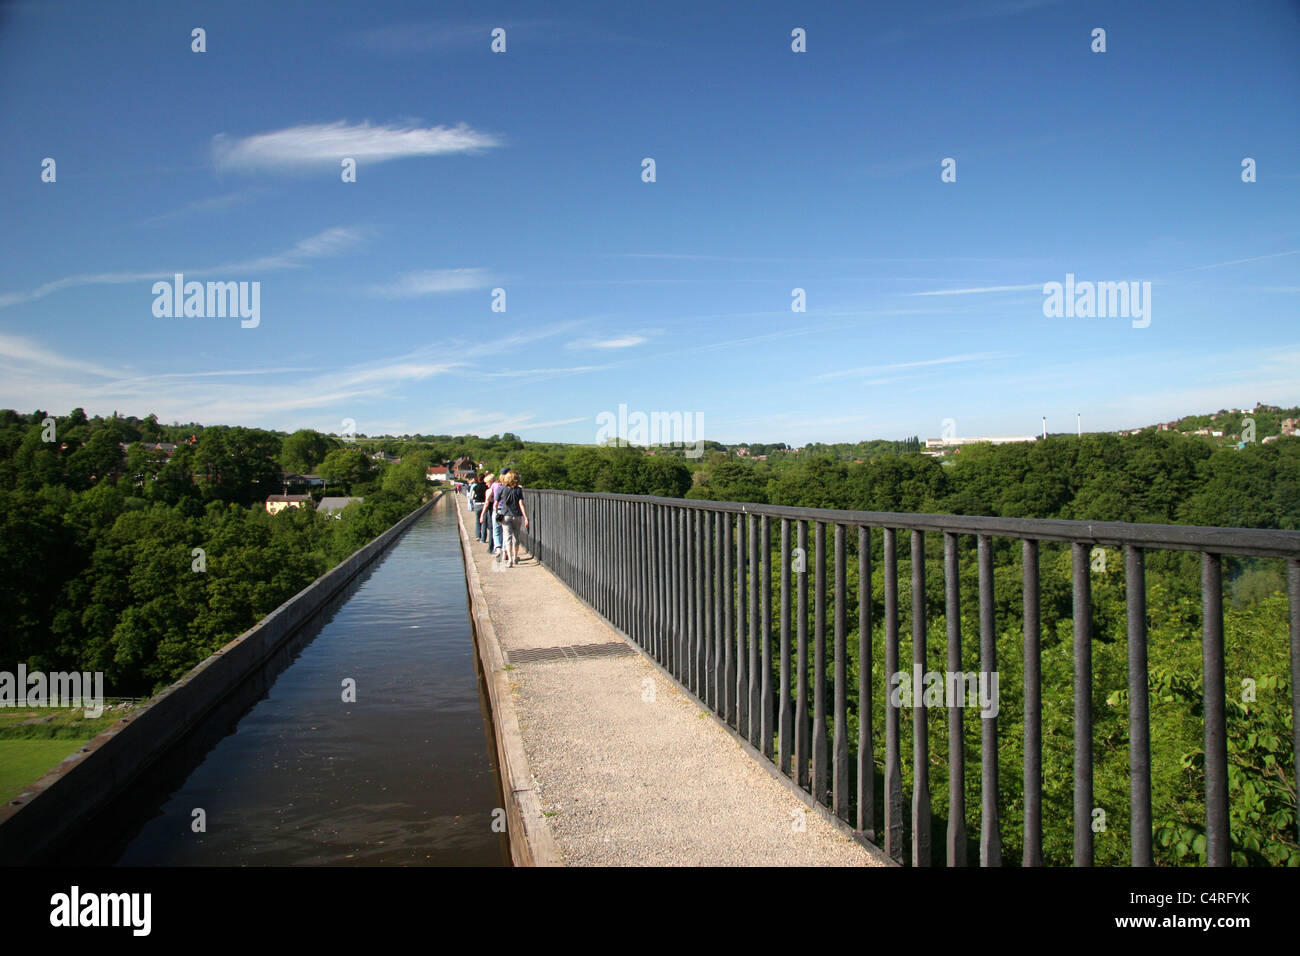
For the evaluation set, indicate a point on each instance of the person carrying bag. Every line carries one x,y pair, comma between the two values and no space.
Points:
511,514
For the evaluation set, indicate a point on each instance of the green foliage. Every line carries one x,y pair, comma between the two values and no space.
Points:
345,467
124,559
305,449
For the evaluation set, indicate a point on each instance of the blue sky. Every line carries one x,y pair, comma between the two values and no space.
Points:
775,170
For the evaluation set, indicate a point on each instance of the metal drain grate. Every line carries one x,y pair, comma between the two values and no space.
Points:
535,655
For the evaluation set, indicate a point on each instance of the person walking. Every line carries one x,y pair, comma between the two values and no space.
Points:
477,497
490,514
512,514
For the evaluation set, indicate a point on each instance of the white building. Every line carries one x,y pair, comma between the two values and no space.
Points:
941,445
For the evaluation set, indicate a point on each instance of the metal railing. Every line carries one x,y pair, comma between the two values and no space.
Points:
691,583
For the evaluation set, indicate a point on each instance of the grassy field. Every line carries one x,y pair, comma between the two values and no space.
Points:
30,750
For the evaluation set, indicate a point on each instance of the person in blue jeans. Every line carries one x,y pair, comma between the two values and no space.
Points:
477,496
511,513
490,513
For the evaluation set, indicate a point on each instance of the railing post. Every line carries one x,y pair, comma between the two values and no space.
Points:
1033,854
1082,705
719,618
785,717
990,821
840,746
728,600
802,732
820,783
955,849
1139,724
1218,845
866,749
920,724
742,651
755,703
766,728
701,604
893,758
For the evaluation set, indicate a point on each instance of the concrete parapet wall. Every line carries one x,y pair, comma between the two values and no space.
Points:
531,840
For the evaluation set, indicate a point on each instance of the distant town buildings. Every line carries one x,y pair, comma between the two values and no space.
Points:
291,480
941,446
277,503
330,507
438,473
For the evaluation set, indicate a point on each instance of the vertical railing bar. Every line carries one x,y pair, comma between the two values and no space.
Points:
1139,721
893,759
719,625
920,724
706,550
684,597
819,755
661,569
766,728
1218,846
840,746
742,651
729,657
701,609
803,731
784,715
1083,792
1033,851
679,592
755,704
866,747
955,849
990,823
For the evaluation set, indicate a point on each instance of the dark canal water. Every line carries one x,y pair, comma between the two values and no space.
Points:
406,775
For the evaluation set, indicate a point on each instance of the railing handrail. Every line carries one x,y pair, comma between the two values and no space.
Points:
1255,542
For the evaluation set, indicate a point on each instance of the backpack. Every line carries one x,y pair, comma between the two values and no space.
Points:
508,502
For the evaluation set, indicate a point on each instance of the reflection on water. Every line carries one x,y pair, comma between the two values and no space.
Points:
405,775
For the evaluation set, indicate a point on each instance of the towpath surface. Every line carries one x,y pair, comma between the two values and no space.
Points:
629,770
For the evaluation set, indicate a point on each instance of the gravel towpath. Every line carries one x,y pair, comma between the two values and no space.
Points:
629,770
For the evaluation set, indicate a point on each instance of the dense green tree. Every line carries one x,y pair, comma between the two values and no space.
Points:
346,466
305,449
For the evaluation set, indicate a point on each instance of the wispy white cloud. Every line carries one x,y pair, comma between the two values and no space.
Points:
542,372
978,290
413,285
199,206
626,341
1235,262
331,242
485,422
33,375
328,143
920,363
324,245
